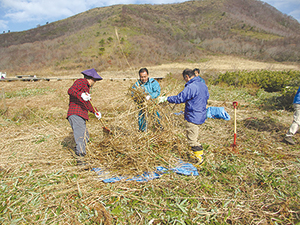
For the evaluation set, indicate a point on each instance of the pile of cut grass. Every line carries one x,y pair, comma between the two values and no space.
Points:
127,151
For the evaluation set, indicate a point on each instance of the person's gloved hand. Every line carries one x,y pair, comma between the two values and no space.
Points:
86,96
98,115
148,97
162,99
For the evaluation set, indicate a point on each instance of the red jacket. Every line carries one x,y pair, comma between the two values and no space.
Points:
77,106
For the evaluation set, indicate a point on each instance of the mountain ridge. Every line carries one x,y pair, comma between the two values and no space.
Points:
155,34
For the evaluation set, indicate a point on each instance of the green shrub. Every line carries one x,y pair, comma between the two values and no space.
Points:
285,101
270,81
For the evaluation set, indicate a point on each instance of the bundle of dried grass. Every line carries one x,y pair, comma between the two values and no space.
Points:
131,152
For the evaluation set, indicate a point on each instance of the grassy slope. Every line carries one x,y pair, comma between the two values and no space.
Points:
41,184
160,34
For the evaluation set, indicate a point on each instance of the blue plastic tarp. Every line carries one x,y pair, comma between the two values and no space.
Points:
213,113
179,113
217,113
181,168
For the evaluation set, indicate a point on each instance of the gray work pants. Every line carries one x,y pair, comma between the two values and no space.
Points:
296,121
81,134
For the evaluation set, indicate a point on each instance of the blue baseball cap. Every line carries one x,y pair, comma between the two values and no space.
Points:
92,73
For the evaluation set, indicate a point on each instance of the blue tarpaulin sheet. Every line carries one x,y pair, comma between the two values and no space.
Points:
179,113
181,168
217,113
213,113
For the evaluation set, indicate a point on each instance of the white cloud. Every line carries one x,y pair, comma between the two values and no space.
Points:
3,24
20,10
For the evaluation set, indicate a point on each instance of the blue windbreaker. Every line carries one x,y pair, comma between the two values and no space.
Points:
195,96
297,97
151,87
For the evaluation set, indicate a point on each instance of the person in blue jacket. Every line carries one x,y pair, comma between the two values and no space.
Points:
195,96
296,121
151,88
197,73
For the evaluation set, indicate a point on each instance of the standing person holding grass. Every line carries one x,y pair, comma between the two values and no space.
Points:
151,89
296,121
195,96
79,106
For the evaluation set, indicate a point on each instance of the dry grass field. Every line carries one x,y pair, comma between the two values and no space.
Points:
211,64
41,184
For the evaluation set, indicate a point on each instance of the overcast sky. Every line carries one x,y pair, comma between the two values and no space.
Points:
20,15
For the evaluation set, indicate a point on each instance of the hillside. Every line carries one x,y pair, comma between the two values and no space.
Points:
116,37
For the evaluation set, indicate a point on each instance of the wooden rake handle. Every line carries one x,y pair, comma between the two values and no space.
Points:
104,127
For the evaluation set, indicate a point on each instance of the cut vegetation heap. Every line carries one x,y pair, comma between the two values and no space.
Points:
125,151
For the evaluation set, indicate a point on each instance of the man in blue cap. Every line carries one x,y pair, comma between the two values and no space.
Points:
79,105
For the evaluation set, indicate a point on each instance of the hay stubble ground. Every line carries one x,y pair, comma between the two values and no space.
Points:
257,186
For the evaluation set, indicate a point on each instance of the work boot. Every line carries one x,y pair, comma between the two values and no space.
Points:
289,140
192,158
198,153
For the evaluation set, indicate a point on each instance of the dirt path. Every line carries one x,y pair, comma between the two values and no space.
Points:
213,63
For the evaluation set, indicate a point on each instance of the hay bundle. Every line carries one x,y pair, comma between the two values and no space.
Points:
129,151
